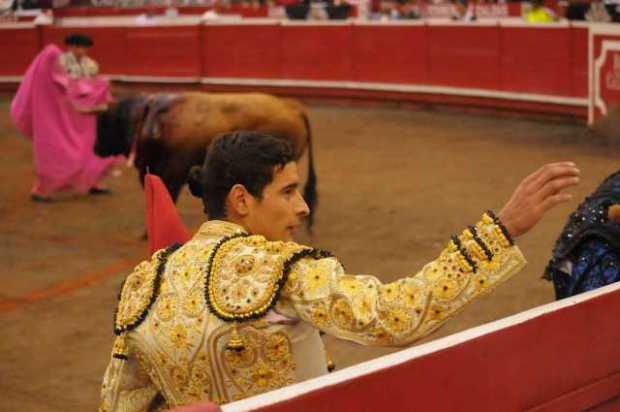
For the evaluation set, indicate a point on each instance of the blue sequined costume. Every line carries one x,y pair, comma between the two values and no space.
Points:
587,254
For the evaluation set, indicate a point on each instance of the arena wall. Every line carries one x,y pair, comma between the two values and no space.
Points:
497,64
562,356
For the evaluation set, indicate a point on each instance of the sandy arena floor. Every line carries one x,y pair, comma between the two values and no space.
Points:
394,185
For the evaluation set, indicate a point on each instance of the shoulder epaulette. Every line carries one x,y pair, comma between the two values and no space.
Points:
245,275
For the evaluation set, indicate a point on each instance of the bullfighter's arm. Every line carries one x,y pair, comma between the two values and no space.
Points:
362,309
126,387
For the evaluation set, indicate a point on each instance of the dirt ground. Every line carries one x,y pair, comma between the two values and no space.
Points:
394,184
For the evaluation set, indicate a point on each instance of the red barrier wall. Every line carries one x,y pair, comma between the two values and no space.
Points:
18,46
561,359
394,65
464,56
252,51
164,51
579,59
418,60
317,52
537,60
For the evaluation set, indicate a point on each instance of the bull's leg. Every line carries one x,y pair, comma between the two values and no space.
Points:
174,185
141,175
176,171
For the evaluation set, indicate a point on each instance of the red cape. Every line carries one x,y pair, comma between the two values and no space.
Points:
163,224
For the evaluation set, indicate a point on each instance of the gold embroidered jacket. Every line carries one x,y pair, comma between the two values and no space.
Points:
228,316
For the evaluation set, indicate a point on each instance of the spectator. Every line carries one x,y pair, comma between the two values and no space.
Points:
46,16
577,10
598,12
171,11
408,10
463,10
146,19
6,5
540,14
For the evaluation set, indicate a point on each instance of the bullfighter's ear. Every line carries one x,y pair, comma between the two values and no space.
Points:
614,213
237,201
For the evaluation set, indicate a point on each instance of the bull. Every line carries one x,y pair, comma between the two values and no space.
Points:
168,134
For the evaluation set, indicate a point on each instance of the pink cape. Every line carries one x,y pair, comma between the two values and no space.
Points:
44,109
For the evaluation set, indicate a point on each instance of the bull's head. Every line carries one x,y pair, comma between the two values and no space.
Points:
115,128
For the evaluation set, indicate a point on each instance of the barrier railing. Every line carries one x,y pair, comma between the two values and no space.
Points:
562,356
489,63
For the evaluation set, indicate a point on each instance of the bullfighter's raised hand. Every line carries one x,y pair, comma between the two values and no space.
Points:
537,193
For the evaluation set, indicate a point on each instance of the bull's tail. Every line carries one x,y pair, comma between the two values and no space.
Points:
310,194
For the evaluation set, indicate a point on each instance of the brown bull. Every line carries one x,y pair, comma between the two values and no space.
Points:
170,133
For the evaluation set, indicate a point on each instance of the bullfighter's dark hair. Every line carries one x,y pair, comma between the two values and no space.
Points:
247,158
78,39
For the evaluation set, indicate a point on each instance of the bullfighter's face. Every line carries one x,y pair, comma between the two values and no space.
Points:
78,51
281,209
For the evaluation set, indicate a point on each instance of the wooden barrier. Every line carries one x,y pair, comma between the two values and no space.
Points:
503,65
604,81
563,356
19,43
242,51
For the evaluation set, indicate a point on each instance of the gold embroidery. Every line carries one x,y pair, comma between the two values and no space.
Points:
397,320
446,289
364,309
388,292
244,264
342,314
315,279
120,350
349,285
491,234
178,336
319,315
194,303
235,342
437,312
200,386
229,291
265,363
277,348
136,293
184,343
412,294
240,359
166,307
292,284
179,377
481,282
